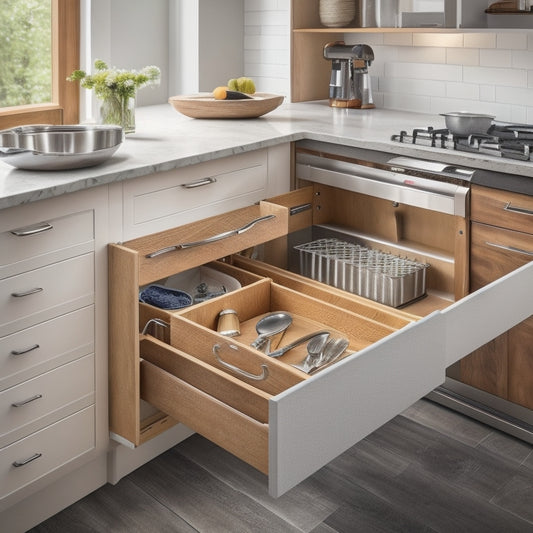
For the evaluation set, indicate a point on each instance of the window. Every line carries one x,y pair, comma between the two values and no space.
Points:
39,48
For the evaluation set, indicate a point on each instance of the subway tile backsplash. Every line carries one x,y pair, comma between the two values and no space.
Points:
486,72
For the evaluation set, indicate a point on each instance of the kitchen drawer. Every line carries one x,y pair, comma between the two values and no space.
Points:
188,194
496,251
45,451
47,292
32,351
284,422
45,242
43,400
502,208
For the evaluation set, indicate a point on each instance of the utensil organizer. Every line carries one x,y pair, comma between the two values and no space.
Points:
234,395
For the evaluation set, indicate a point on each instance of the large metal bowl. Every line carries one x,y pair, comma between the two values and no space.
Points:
43,147
463,123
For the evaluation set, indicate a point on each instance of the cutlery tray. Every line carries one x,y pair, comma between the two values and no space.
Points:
379,276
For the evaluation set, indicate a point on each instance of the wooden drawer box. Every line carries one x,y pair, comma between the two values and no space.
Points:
287,424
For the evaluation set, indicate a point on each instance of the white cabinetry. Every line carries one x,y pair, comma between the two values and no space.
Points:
53,352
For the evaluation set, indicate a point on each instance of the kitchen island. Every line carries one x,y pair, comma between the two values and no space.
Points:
167,140
136,193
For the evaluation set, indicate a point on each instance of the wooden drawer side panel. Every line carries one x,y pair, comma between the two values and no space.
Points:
124,377
240,435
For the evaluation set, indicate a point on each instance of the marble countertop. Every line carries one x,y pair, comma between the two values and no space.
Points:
165,140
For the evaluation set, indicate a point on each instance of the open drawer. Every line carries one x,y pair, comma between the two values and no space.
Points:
282,421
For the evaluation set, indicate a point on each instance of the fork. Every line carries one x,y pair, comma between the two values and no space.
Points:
315,348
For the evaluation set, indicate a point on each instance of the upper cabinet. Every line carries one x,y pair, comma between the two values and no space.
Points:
408,15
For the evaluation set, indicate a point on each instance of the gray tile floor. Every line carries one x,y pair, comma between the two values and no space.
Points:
429,469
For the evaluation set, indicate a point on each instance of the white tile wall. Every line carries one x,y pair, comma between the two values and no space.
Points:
486,72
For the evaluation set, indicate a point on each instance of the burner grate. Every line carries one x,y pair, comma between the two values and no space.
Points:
512,142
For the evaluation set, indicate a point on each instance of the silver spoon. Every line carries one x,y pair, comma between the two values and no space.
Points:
269,326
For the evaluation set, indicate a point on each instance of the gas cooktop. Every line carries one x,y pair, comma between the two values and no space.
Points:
510,141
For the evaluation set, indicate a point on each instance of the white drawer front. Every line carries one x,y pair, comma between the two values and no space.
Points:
45,242
47,292
32,351
45,399
180,196
45,451
315,421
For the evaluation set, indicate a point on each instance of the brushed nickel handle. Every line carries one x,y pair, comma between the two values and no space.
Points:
209,240
28,400
299,209
236,369
148,327
27,293
26,461
520,210
199,183
509,248
25,350
32,230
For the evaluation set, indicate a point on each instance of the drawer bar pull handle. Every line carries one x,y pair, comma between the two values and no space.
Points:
33,230
521,210
509,248
28,460
25,350
199,183
210,240
148,327
236,369
27,293
29,400
299,209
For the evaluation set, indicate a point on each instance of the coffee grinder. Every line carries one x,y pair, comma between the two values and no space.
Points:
349,85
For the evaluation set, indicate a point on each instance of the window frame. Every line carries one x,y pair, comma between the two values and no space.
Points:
64,108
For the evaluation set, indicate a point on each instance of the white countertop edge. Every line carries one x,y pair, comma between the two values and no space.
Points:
161,132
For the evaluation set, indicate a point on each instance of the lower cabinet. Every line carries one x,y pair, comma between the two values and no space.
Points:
285,422
501,241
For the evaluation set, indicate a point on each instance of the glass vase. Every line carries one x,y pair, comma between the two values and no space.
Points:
119,110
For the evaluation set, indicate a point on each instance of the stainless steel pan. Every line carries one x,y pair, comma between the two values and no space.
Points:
463,123
43,147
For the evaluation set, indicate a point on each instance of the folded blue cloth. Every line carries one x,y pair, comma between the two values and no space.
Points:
165,297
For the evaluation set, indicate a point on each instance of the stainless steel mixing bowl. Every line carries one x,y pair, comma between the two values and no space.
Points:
463,123
43,147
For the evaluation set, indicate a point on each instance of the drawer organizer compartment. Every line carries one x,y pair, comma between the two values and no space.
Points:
212,383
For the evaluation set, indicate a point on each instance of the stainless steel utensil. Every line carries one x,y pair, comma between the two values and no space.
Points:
268,327
279,352
333,350
464,123
45,147
314,352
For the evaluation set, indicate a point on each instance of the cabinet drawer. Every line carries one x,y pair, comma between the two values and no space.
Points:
496,251
46,450
32,351
47,292
45,242
188,194
501,208
284,422
43,400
